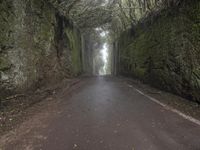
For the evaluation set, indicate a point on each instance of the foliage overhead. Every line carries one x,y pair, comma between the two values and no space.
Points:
121,14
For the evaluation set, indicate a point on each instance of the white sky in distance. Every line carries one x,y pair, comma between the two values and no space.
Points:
104,51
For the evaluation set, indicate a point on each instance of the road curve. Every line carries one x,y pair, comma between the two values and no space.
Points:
105,113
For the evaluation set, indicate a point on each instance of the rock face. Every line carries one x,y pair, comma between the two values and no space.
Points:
87,52
164,50
37,45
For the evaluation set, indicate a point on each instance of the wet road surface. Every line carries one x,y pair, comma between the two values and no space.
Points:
108,114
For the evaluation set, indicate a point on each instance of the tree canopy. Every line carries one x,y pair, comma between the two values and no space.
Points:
120,14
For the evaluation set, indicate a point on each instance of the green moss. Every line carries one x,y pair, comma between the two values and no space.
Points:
6,23
75,46
4,64
167,52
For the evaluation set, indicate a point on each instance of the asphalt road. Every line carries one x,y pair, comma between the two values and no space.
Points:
106,113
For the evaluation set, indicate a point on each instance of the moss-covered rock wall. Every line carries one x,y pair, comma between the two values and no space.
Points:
37,45
164,50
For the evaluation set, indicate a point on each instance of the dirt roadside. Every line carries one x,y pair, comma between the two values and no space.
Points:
185,106
23,106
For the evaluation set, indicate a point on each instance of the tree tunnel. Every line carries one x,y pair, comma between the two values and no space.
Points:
99,52
100,74
43,42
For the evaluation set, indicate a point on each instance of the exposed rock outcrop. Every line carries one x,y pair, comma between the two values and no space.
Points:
37,45
164,50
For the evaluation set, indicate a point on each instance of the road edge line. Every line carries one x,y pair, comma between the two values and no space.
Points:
167,107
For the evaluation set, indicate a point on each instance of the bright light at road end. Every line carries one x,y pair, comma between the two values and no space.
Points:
105,54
